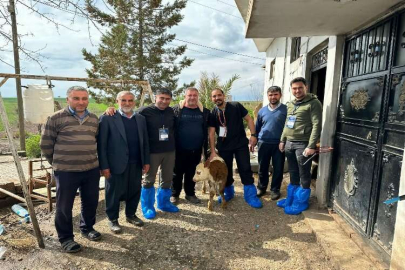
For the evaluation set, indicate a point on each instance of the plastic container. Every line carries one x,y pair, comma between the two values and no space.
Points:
2,230
38,103
27,219
19,210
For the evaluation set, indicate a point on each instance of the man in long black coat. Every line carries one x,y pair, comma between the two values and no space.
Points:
123,151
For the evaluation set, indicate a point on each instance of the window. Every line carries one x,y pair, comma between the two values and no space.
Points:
295,48
272,69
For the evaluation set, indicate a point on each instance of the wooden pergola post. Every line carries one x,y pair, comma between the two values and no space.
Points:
145,86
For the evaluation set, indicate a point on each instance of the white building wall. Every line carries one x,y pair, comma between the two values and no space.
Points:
280,50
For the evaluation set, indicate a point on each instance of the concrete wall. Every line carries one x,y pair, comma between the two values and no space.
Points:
280,50
329,115
398,246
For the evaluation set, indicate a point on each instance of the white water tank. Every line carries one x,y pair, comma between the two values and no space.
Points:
38,103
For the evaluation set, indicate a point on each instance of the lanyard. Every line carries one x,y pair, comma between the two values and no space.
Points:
222,123
296,106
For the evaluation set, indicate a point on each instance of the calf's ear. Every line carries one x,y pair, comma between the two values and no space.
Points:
207,164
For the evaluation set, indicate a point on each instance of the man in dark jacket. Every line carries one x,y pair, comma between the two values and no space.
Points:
191,129
300,135
123,151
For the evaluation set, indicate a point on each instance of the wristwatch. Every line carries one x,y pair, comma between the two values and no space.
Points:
254,135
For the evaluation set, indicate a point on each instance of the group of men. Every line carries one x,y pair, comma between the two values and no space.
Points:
124,144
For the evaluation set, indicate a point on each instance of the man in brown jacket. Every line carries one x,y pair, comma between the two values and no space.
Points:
69,144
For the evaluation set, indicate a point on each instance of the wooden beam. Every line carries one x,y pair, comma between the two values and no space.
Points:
3,81
74,79
20,171
11,194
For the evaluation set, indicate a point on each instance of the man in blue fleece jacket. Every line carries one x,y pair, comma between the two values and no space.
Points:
269,126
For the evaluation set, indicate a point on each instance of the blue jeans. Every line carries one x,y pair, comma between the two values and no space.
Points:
299,173
268,152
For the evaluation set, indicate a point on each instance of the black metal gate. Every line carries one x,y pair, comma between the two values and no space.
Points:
370,135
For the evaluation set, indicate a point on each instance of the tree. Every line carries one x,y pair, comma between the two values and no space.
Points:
206,84
44,9
137,46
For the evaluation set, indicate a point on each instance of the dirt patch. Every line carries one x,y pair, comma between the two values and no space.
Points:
239,237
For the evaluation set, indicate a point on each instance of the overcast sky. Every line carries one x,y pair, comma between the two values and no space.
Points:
200,25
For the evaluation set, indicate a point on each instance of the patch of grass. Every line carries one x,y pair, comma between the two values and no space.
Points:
11,107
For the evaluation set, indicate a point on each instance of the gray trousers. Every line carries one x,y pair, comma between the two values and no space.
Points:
166,163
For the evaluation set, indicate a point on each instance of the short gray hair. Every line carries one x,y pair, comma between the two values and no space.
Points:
191,89
76,88
123,93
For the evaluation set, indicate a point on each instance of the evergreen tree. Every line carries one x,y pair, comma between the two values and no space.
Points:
136,46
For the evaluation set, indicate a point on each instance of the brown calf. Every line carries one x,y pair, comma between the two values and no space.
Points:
215,174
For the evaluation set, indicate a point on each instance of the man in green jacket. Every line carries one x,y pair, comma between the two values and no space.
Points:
301,132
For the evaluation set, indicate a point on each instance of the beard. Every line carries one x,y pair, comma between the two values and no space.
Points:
126,109
275,102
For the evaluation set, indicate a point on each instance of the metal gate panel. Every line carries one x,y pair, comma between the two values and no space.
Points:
400,42
385,219
353,181
370,131
361,100
368,52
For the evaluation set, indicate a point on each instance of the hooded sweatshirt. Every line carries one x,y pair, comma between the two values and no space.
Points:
308,123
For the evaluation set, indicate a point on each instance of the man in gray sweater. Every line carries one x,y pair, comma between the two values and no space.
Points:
69,144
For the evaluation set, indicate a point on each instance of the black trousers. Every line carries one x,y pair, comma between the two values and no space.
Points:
67,184
268,152
185,163
242,157
123,187
299,173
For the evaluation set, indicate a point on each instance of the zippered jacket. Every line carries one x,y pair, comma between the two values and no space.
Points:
308,123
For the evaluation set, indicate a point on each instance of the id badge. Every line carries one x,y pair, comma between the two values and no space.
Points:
291,121
222,132
163,134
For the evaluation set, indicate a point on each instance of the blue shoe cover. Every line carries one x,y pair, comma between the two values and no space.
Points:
290,196
229,193
250,194
300,203
147,202
163,200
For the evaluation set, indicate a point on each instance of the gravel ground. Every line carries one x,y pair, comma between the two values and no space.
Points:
239,237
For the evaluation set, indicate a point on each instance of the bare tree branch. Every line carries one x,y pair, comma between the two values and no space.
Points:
75,8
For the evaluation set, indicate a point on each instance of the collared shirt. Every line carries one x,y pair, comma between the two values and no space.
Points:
271,109
124,114
86,112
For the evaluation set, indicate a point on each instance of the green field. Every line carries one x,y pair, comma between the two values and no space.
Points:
11,108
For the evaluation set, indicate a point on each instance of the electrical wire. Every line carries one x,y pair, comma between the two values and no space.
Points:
215,9
225,3
226,57
212,48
